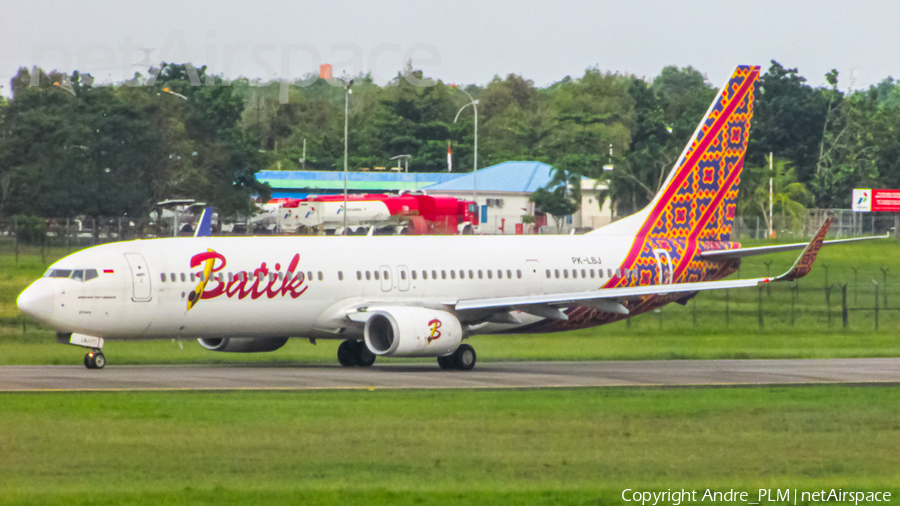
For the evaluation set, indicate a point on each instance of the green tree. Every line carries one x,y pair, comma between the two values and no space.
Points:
558,202
790,198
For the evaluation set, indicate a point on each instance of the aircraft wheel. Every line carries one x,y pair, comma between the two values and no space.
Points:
464,357
447,362
364,357
88,362
99,359
347,353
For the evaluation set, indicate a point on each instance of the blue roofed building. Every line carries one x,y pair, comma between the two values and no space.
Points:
503,191
300,183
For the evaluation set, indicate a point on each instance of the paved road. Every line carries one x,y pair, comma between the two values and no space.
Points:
486,375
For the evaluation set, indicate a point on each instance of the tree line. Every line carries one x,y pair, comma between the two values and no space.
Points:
70,148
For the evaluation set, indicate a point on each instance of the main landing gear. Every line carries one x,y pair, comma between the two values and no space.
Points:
95,360
352,352
462,359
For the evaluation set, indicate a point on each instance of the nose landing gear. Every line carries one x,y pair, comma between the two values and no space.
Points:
95,360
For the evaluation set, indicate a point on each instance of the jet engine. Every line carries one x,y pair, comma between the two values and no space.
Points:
243,344
412,332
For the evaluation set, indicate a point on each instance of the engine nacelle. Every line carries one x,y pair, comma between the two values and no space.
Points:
412,332
243,344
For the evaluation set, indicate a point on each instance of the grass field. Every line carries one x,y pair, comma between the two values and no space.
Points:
551,446
796,322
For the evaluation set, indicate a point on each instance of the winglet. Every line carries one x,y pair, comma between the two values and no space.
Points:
204,226
804,264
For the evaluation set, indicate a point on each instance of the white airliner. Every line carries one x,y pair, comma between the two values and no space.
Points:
419,296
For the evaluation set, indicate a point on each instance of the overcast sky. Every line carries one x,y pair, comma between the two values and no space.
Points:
465,41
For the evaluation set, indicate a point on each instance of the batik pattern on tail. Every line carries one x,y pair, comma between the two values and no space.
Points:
698,202
694,212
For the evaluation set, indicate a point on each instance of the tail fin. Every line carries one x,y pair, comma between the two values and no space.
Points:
204,225
698,199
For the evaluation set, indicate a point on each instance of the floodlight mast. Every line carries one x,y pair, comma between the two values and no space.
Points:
474,104
346,122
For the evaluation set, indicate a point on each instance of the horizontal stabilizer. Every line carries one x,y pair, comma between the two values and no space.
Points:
728,254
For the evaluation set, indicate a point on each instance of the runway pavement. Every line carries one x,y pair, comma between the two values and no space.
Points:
485,375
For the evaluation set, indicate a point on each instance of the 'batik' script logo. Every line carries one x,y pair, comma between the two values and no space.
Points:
256,284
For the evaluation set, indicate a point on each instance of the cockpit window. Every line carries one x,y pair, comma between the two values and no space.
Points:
76,274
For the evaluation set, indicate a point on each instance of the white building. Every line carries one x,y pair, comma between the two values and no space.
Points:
503,191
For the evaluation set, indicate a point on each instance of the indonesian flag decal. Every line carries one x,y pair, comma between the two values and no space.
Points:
449,159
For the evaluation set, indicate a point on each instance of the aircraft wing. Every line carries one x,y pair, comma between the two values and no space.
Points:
607,299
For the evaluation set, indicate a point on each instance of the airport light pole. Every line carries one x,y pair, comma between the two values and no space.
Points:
346,123
474,104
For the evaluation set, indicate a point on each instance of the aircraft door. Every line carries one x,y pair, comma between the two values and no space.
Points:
533,275
140,276
402,278
386,282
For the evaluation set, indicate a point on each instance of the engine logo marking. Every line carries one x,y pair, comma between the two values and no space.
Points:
435,333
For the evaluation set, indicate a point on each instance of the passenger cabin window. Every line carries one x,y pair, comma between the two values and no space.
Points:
508,274
462,274
519,273
548,273
376,276
359,275
321,277
387,275
592,273
566,273
172,277
583,273
193,277
433,274
479,274
443,274
309,275
413,273
424,274
490,273
574,273
403,275
340,276
183,279
368,275
470,274
499,274
452,274
162,277
556,272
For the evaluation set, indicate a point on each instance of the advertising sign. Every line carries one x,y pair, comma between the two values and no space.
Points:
875,200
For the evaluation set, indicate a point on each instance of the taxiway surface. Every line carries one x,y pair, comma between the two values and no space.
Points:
485,375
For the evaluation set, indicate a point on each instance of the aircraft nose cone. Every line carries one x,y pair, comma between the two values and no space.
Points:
37,301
